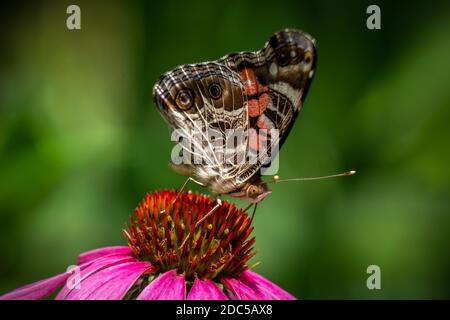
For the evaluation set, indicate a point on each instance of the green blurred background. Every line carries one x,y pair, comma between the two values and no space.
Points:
81,141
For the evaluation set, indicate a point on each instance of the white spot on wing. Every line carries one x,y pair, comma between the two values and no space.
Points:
273,69
287,90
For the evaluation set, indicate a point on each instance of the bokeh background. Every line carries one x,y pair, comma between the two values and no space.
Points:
81,141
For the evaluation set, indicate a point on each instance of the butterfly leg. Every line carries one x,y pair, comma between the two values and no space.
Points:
248,207
181,190
218,204
210,212
253,214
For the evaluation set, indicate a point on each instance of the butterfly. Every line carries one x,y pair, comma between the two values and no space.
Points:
257,94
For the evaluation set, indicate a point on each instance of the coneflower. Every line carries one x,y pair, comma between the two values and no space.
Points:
175,251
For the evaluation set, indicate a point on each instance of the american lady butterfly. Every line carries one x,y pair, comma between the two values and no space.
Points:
256,93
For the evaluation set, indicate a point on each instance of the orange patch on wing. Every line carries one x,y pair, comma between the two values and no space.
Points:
256,106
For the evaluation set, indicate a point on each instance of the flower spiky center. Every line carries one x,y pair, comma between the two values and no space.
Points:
174,231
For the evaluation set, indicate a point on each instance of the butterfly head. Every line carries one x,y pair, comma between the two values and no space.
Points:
253,191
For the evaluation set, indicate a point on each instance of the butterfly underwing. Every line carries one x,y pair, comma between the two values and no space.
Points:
232,115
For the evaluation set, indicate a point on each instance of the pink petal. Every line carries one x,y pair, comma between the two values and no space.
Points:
238,290
106,251
90,268
111,283
205,290
168,286
37,290
251,286
90,263
271,288
43,288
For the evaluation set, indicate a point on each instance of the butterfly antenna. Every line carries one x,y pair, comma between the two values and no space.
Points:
276,179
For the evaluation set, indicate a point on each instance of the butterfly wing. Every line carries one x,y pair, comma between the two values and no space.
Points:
276,80
201,103
223,112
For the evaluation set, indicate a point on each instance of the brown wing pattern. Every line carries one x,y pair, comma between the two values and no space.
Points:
246,92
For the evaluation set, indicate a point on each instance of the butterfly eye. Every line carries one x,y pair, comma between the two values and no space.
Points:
215,91
184,99
252,191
